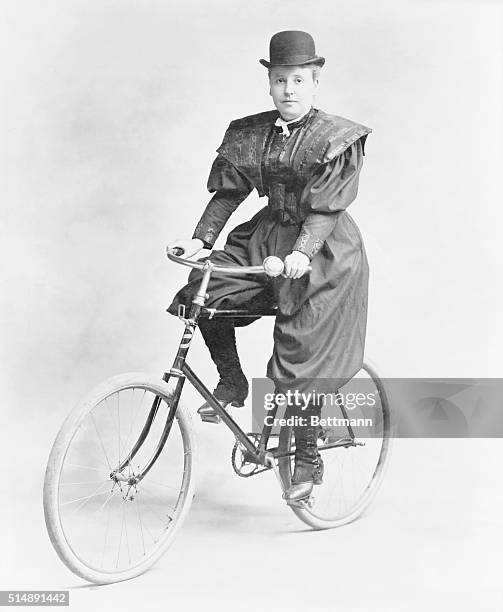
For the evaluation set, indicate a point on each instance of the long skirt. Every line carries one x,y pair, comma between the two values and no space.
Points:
319,333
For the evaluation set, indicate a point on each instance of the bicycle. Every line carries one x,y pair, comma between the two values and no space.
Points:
120,476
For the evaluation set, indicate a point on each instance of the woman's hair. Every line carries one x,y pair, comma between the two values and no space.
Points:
314,68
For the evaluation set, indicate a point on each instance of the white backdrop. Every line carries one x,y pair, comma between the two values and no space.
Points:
110,115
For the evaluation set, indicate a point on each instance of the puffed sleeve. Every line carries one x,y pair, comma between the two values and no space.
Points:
230,188
332,188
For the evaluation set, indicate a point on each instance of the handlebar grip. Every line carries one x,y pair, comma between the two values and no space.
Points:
177,251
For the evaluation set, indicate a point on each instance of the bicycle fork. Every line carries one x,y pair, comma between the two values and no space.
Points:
176,370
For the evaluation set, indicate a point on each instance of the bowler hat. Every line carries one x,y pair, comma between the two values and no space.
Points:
292,48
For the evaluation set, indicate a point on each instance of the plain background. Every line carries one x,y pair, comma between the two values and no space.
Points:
110,115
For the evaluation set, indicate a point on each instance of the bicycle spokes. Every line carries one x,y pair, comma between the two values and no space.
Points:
110,512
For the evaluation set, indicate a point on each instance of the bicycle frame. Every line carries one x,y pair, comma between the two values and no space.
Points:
252,453
107,526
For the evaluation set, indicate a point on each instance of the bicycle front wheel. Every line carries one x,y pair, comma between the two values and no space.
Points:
109,524
352,471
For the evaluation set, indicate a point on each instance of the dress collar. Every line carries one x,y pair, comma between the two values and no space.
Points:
284,127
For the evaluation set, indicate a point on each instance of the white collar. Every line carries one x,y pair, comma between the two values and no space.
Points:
280,122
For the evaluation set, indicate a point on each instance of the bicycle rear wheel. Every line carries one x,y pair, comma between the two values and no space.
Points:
353,472
108,526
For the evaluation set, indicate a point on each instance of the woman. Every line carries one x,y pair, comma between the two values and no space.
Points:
307,163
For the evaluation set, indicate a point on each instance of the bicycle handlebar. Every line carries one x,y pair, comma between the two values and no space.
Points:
174,255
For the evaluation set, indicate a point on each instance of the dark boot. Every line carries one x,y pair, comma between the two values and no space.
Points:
232,388
308,463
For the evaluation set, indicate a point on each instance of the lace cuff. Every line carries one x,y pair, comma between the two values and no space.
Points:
308,244
207,234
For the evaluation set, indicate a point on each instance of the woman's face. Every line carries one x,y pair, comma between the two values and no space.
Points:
292,89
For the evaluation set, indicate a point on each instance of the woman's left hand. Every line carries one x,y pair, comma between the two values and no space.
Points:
296,265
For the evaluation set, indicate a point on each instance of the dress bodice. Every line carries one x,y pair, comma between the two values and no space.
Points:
311,172
283,179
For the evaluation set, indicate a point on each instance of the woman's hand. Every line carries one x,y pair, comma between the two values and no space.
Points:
296,265
189,246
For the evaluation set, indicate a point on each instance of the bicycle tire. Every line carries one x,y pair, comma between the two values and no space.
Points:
66,522
312,516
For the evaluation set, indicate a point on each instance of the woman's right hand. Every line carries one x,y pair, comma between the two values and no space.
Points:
190,246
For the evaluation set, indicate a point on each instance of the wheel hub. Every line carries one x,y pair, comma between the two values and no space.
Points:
126,484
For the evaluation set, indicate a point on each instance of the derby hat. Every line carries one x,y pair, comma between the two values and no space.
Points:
292,48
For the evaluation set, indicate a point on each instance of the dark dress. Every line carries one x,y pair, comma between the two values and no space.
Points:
310,178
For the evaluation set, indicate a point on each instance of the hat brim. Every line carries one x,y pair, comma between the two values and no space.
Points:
318,61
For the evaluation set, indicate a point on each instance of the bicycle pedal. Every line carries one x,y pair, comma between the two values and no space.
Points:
307,502
207,418
208,414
